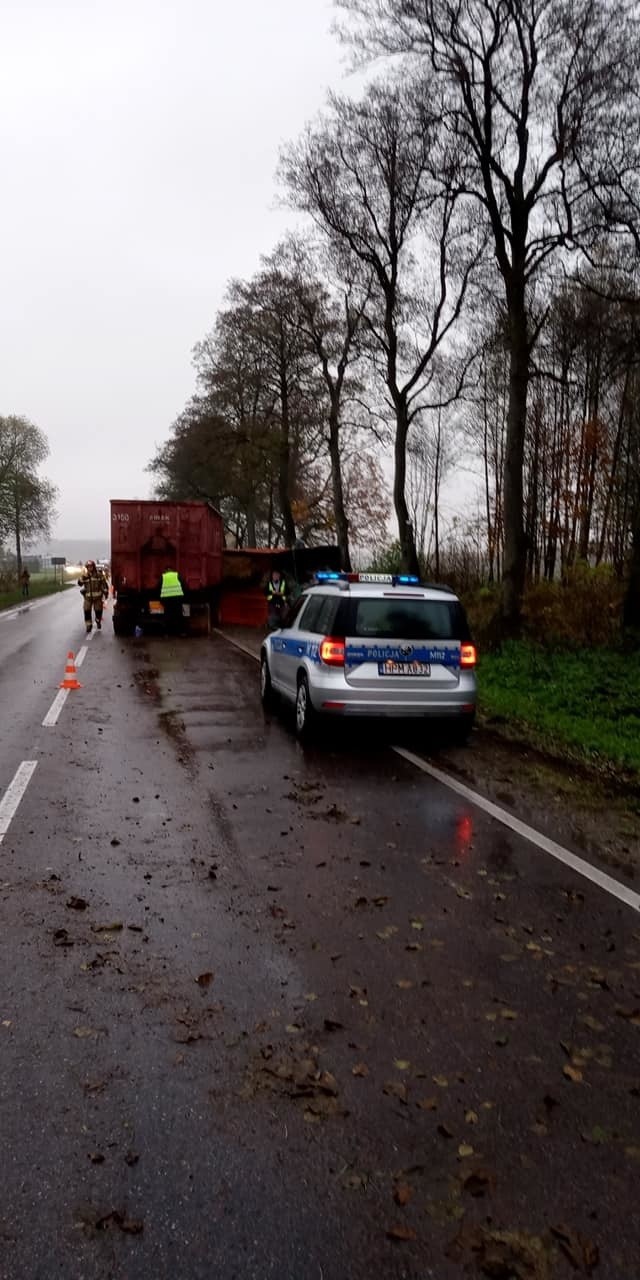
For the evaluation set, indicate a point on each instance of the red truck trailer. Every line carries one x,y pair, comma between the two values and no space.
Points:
149,537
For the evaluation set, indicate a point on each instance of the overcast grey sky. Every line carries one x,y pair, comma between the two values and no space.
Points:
139,140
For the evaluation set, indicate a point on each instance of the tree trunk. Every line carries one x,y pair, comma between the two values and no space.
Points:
251,526
515,545
436,497
631,611
342,524
284,469
18,535
406,536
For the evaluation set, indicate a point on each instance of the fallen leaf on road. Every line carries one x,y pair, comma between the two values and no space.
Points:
632,1152
572,1073
630,1015
580,1252
355,1182
77,904
502,1255
598,1136
361,1070
444,1131
401,1232
86,1033
131,1158
204,979
402,1193
441,1081
413,946
96,1157
465,1150
114,927
592,1023
417,924
404,984
471,1117
428,1104
394,1089
332,1024
387,932
293,1028
401,1064
61,938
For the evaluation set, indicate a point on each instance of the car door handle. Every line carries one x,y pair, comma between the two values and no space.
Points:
300,648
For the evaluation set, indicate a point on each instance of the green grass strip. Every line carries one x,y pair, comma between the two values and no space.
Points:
586,703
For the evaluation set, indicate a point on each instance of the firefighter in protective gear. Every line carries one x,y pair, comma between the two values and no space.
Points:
276,598
172,596
94,589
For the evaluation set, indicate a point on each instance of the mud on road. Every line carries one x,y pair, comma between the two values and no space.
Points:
299,1013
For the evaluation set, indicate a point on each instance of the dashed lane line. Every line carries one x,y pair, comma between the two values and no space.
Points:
555,850
14,793
51,718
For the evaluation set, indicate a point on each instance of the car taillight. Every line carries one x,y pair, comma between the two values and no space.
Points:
332,652
468,655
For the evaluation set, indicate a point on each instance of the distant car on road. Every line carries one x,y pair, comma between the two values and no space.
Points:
373,645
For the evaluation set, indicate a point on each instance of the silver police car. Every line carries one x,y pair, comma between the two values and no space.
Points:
372,645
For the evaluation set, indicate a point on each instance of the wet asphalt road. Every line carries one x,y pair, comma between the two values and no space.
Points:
282,1013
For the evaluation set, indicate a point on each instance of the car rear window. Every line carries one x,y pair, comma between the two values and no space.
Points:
397,619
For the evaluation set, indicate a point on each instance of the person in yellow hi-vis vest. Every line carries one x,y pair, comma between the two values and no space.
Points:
172,596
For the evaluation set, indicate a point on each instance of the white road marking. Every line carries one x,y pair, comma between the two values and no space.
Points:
14,793
82,653
51,717
614,887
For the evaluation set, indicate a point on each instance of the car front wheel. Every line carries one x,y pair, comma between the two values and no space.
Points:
306,716
266,688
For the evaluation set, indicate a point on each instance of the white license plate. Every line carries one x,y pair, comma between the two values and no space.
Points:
391,668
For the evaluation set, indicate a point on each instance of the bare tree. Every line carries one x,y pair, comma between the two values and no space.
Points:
380,188
540,97
332,316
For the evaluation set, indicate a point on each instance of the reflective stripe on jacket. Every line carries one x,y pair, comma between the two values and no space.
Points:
94,586
171,585
276,589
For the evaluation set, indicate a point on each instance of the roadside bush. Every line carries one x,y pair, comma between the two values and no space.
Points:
584,612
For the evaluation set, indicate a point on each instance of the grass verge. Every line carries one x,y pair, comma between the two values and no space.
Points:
37,587
584,705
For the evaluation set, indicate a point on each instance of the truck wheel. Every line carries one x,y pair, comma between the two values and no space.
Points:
267,695
122,626
306,716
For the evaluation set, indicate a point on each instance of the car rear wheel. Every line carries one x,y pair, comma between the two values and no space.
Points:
266,688
306,716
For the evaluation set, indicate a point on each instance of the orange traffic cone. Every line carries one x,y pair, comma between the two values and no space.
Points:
70,674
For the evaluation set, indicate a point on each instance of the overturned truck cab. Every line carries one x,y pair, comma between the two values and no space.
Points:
149,537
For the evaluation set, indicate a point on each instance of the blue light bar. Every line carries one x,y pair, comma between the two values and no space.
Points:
406,580
326,576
